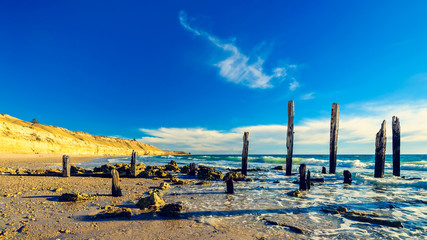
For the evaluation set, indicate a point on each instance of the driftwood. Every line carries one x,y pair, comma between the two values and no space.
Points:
335,113
380,147
116,190
66,168
245,153
396,146
133,164
290,137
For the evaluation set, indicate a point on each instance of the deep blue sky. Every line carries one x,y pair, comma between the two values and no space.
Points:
111,68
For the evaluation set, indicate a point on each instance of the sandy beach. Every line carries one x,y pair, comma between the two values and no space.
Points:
30,208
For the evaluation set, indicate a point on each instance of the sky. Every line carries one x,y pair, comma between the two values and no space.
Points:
194,75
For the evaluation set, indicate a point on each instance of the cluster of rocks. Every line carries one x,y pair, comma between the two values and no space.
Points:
122,168
21,171
155,203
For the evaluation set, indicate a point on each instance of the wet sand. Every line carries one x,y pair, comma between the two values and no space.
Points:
29,209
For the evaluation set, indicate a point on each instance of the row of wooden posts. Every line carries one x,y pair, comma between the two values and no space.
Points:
115,189
380,145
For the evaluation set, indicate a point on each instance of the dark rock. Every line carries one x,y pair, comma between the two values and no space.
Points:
236,176
114,213
76,197
153,202
296,193
172,166
78,170
185,169
209,173
347,177
171,210
279,168
277,181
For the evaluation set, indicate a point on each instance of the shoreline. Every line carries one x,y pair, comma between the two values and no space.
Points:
40,161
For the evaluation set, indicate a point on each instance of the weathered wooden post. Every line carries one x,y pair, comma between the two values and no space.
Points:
290,137
230,185
245,153
308,180
323,170
380,147
66,168
335,115
192,169
133,164
116,190
302,181
347,177
396,146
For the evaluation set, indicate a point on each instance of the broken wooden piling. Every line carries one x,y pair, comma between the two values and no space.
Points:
380,148
116,190
323,170
308,183
192,169
396,146
245,152
290,137
335,114
133,164
302,181
230,185
347,177
66,168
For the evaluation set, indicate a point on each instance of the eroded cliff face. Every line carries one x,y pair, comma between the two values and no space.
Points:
18,136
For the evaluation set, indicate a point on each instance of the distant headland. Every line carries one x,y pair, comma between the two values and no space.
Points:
18,136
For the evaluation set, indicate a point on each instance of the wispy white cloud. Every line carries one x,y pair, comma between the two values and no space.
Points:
238,67
307,96
293,85
356,133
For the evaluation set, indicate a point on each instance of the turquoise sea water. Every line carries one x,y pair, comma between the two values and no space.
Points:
395,198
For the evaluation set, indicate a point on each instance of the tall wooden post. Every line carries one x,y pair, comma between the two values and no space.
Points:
245,153
380,147
116,191
335,115
66,168
290,137
302,181
133,164
396,146
308,183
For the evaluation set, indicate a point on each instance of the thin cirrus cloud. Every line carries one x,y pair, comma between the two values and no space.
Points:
238,67
356,133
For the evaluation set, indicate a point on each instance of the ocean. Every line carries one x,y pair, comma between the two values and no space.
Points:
244,212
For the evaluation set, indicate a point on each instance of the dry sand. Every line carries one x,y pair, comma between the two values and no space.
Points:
29,207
